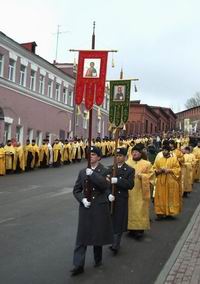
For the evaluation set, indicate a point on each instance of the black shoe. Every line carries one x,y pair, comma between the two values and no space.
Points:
77,270
98,263
114,250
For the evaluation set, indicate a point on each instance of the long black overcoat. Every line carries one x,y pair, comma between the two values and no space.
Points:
125,175
94,223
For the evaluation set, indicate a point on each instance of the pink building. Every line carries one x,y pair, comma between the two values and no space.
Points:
37,98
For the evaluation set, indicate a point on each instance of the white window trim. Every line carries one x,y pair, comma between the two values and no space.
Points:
41,83
24,61
13,55
57,93
34,67
51,76
34,80
42,72
58,80
20,71
98,125
8,119
70,125
14,70
51,92
2,69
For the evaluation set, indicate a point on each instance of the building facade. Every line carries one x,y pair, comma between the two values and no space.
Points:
188,121
37,98
150,120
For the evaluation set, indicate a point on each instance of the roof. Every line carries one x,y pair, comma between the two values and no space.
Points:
34,54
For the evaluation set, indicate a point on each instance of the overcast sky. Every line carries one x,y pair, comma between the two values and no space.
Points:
158,41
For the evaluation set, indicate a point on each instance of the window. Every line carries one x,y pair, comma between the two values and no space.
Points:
64,95
22,75
19,134
7,132
30,134
146,126
107,104
99,125
76,119
41,85
38,137
49,93
62,135
69,98
32,81
11,70
104,101
1,65
151,128
57,95
85,119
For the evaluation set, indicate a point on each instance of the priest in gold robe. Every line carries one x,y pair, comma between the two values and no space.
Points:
10,157
2,160
196,152
19,158
168,194
139,196
57,153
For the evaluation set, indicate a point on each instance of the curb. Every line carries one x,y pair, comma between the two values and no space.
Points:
172,259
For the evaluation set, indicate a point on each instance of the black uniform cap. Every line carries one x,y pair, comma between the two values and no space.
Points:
95,150
121,151
138,147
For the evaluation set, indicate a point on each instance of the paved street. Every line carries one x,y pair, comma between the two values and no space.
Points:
38,221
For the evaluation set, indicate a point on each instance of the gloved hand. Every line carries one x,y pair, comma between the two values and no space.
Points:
89,172
111,197
114,180
86,203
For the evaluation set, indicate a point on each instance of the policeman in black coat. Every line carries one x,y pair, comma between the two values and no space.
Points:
94,226
124,181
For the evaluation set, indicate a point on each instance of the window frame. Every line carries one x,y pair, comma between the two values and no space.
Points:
1,65
11,70
22,79
32,80
41,84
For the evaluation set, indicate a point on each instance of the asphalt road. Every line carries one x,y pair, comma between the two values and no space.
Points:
38,222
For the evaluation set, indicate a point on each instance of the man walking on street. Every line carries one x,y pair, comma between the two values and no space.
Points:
94,226
123,181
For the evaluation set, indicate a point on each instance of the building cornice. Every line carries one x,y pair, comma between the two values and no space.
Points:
12,45
187,110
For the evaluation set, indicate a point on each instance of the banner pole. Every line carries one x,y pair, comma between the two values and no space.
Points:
91,110
89,190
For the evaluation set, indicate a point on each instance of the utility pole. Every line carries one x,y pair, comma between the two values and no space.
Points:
57,40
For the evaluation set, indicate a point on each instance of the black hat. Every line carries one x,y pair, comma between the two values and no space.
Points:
165,142
95,150
172,142
138,147
121,151
166,147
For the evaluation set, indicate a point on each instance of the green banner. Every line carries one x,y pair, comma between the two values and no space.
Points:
119,102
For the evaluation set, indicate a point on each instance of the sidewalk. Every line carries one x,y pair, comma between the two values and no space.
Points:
183,266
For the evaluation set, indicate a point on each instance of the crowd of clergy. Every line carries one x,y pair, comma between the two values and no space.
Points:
166,167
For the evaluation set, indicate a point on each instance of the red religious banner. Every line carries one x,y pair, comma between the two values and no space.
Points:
91,76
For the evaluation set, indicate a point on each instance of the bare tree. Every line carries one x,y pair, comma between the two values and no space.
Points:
193,101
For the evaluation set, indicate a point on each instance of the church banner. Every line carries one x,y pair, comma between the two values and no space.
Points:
91,76
119,102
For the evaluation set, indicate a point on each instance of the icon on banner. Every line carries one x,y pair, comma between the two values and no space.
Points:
91,68
119,93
